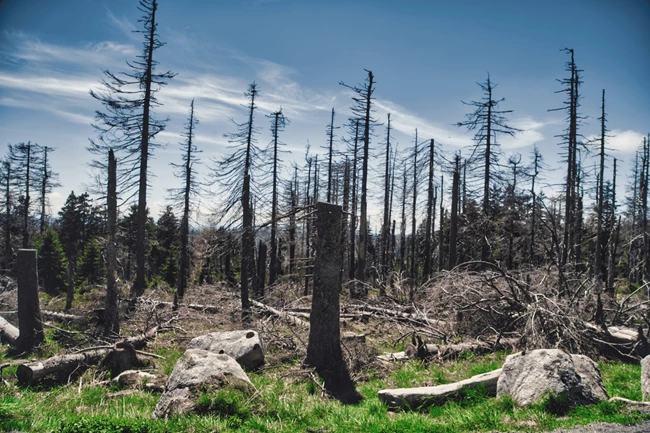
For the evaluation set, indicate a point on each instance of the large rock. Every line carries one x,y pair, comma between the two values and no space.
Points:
196,372
645,377
417,398
528,376
245,346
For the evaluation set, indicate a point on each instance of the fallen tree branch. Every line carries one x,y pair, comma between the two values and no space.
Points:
282,314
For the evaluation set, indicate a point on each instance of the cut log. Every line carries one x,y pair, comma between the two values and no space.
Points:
282,314
418,398
198,307
8,332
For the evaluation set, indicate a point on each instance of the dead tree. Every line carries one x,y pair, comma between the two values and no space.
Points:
184,196
414,266
428,251
324,348
30,321
599,259
23,159
488,122
385,228
48,180
7,183
363,109
330,135
111,315
353,216
234,173
453,222
278,123
441,235
129,127
613,240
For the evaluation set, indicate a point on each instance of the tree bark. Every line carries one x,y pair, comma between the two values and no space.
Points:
324,347
111,314
29,311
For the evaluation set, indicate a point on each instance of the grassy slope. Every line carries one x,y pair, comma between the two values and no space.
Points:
289,403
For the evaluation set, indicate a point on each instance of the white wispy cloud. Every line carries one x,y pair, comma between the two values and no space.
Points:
624,141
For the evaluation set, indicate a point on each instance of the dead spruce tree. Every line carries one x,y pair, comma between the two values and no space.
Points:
111,314
570,144
234,173
487,121
278,123
48,180
362,108
24,159
185,197
129,127
385,227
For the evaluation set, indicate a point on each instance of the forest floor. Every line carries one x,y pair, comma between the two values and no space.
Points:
289,397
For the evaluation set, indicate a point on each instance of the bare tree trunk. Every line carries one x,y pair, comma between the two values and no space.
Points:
307,231
363,225
30,321
344,226
292,223
453,228
385,229
26,241
140,282
324,347
261,269
428,252
7,226
44,188
353,217
402,246
598,260
441,236
414,269
329,165
111,315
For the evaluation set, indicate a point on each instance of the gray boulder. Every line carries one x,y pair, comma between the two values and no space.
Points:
245,346
528,376
196,372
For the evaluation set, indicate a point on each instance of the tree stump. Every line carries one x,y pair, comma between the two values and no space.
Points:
324,347
29,311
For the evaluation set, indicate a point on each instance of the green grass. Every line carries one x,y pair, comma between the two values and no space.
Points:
295,406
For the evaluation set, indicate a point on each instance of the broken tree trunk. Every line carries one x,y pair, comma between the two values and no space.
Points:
8,332
64,365
419,398
29,311
324,348
111,314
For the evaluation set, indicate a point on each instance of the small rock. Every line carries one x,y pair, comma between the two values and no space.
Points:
528,377
199,371
245,346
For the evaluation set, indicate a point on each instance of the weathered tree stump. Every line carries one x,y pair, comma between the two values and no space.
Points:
324,347
29,311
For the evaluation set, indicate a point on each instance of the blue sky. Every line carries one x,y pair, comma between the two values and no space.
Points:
426,57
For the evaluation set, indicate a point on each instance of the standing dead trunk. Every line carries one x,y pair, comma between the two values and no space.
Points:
385,229
111,315
414,266
324,348
7,225
29,311
441,235
453,228
344,226
261,269
428,252
292,223
353,217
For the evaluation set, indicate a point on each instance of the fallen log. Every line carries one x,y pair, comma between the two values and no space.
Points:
8,332
198,307
419,398
66,364
282,314
61,317
29,374
417,319
447,351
